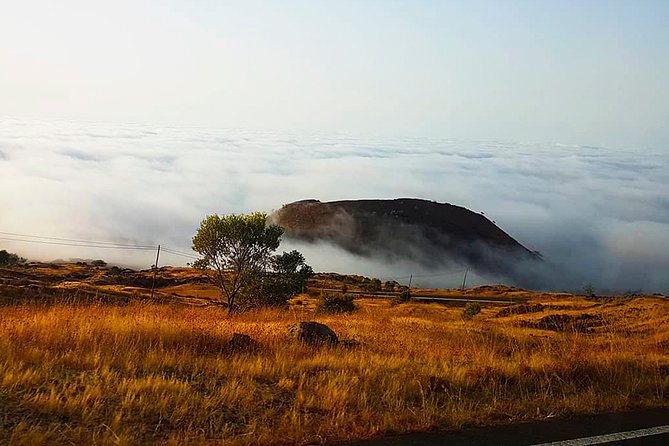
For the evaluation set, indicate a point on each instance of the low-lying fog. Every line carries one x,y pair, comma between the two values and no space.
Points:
599,216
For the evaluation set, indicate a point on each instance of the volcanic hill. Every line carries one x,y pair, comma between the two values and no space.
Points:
426,232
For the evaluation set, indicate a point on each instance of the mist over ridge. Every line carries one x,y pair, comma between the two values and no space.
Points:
600,216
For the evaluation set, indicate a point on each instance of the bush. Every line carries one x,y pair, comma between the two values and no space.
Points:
98,262
589,291
288,277
373,286
471,310
335,303
403,296
8,258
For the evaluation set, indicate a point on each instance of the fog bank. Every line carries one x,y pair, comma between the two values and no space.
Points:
599,216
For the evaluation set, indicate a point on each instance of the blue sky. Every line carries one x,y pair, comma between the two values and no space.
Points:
586,72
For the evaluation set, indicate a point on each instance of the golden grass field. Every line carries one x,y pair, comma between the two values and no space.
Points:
155,373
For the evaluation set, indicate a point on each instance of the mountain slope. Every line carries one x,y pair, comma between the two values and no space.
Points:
430,233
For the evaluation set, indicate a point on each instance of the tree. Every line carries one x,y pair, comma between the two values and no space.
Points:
374,285
287,276
8,258
234,249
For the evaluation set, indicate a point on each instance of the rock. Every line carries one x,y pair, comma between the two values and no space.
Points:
314,333
242,343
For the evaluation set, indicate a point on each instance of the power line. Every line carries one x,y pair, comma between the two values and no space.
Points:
58,241
440,274
178,253
80,245
449,273
134,245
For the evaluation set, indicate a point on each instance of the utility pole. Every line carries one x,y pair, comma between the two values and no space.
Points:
409,290
464,280
155,271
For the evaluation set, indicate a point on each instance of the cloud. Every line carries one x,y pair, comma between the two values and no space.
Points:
599,216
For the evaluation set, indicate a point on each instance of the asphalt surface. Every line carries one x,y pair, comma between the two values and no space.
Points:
462,298
574,431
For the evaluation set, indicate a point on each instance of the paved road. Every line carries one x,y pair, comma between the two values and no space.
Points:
462,299
465,299
643,427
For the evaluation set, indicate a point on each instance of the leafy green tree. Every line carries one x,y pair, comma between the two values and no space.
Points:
235,248
374,285
287,276
8,258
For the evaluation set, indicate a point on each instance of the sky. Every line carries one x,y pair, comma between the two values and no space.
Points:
577,72
129,121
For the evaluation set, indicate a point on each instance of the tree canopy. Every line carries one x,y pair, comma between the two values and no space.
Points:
237,253
286,276
8,258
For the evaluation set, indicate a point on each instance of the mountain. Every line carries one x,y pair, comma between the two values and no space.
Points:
432,234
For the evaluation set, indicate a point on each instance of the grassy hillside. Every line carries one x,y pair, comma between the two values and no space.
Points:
134,371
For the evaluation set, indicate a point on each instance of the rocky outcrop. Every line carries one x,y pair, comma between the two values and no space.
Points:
314,334
426,232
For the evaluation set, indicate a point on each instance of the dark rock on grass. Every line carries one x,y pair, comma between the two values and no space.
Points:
242,343
520,309
314,334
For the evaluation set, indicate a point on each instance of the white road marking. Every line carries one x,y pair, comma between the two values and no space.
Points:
617,436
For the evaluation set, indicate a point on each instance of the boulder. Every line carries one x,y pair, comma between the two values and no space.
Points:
314,333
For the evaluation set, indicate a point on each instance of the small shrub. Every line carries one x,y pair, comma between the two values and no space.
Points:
471,310
335,303
589,291
403,297
374,285
98,262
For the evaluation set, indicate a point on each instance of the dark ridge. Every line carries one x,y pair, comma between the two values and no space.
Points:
429,233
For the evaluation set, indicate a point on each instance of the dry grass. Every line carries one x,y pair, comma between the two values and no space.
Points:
149,373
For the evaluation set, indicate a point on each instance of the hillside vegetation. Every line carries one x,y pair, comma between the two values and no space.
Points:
77,367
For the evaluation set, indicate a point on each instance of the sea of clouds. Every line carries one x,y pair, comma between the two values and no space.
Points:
599,216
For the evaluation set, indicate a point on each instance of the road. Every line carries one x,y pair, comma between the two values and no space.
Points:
462,299
465,299
649,427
